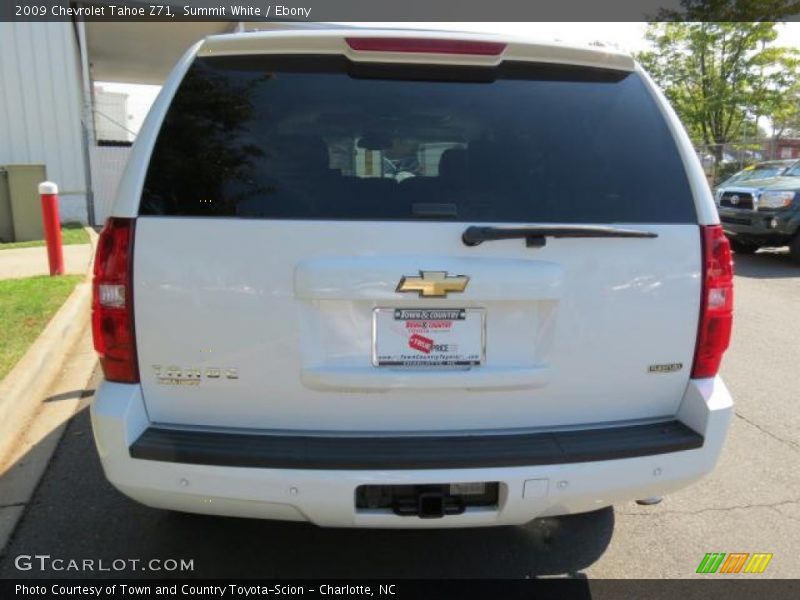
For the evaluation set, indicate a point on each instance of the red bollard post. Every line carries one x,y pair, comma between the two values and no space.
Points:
52,227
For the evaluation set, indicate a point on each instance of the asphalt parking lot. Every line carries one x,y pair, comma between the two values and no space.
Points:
751,503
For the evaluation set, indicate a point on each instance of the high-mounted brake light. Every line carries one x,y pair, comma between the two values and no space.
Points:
716,303
112,302
425,46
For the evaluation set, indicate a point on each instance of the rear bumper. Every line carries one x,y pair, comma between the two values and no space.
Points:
271,451
540,474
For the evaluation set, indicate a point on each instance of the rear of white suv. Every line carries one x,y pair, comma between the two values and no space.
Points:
395,279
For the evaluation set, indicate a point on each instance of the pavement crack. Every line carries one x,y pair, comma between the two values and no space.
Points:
12,505
773,506
793,445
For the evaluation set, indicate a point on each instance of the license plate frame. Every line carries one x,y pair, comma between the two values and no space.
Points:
474,357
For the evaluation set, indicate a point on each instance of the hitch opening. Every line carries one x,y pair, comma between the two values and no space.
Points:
431,506
428,501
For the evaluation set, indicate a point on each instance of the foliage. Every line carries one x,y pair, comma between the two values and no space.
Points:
26,306
786,117
720,75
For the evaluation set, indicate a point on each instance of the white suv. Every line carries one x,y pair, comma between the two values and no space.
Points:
522,316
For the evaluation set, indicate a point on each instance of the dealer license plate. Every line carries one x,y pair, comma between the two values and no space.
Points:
428,337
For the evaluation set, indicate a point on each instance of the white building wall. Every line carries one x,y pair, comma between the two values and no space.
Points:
40,106
111,116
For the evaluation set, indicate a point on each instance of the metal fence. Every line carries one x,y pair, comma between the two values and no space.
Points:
720,161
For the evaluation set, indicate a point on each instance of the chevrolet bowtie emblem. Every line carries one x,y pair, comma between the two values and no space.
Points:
433,284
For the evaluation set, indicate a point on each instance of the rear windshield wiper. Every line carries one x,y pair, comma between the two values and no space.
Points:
536,237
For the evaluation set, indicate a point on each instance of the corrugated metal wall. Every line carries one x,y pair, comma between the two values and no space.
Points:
40,106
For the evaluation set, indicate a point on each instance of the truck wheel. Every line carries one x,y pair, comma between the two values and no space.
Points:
741,247
794,248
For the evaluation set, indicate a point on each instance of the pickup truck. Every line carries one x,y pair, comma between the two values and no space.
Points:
762,212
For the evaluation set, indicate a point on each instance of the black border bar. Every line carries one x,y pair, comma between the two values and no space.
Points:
309,11
578,587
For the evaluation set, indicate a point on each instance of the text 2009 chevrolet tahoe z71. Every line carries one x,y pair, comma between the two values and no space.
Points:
390,279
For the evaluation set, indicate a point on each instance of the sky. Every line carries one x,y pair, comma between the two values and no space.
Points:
626,36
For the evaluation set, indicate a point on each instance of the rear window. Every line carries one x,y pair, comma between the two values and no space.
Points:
320,137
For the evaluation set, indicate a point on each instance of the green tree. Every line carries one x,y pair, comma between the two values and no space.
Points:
786,118
720,76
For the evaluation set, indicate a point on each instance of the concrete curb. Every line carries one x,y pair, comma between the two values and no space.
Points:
23,389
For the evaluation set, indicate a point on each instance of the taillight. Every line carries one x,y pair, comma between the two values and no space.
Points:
112,302
426,46
716,303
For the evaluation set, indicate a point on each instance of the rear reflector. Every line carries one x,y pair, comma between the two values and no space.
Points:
425,46
716,303
112,302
